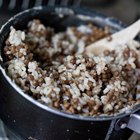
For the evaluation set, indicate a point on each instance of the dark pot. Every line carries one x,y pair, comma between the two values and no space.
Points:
29,119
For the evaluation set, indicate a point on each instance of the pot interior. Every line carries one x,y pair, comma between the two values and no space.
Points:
60,18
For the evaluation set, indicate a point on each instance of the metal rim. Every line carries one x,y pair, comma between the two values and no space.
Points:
44,107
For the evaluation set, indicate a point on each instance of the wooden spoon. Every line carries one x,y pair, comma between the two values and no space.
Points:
119,38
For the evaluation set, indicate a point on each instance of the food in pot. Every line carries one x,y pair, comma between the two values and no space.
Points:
53,68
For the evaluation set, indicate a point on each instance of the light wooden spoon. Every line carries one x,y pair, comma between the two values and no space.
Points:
119,38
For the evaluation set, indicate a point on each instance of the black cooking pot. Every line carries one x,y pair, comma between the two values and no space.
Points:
30,119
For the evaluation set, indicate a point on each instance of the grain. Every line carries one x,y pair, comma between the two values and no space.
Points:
53,69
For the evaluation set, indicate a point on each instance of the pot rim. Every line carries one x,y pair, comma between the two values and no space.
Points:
82,11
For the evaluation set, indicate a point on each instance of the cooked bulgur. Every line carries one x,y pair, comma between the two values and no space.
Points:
54,69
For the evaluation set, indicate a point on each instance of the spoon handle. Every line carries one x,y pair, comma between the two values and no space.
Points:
128,33
118,38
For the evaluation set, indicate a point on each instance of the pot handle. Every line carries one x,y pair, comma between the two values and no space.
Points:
134,122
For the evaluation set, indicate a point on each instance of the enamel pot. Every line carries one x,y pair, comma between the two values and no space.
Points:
29,119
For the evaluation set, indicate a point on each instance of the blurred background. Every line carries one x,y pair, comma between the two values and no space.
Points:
127,11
